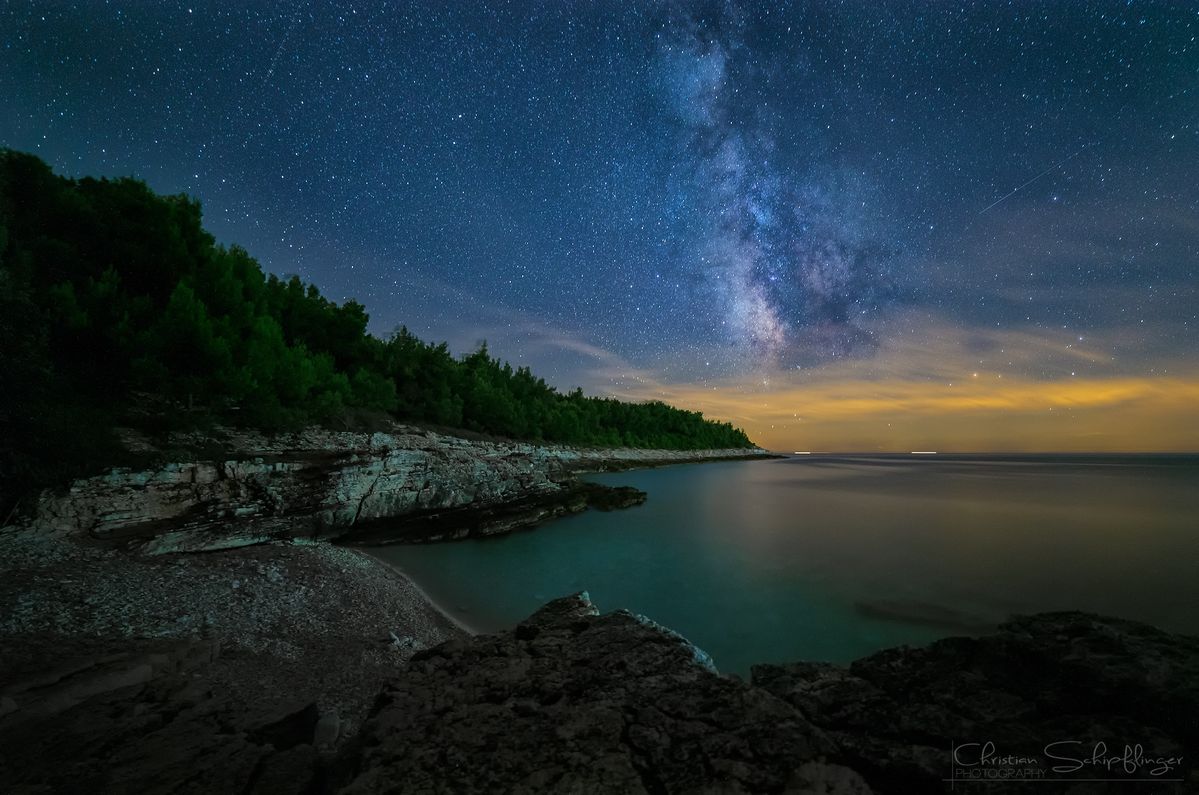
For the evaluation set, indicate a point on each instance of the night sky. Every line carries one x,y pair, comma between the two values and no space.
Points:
846,226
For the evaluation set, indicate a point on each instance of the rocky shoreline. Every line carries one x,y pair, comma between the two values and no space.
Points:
227,489
320,670
102,594
572,700
283,621
279,662
476,521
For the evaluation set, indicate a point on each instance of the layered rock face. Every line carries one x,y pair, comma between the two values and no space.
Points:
322,484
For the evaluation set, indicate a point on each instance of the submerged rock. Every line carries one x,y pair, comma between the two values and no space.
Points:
925,614
611,498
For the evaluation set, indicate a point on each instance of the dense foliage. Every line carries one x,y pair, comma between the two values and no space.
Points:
113,297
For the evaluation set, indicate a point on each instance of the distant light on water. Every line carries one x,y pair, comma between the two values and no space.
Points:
924,452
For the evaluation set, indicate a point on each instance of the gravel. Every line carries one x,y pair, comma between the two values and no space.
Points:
308,621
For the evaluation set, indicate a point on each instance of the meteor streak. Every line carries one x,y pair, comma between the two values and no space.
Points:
1058,164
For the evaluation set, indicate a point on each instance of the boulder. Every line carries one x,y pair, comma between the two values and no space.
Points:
1072,682
574,701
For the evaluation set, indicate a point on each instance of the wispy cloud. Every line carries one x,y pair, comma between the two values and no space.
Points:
957,389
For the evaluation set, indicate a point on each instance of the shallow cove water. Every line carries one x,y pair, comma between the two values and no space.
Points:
834,557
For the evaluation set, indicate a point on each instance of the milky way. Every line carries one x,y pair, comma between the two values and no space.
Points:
730,203
788,261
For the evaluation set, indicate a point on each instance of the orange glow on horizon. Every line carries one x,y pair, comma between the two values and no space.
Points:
985,415
940,386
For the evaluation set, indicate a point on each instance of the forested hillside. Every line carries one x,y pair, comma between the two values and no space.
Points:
112,297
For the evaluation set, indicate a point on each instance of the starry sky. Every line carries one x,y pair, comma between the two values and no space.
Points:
840,225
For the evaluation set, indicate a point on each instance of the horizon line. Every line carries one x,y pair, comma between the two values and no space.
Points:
982,452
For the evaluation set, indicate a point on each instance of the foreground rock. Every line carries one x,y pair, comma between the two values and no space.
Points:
574,701
150,721
243,488
192,673
1099,698
571,701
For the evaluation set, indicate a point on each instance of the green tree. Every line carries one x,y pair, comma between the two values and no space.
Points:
116,304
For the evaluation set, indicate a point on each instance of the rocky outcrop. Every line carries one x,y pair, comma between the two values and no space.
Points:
571,701
1097,698
57,689
324,484
574,701
150,723
578,702
231,671
494,518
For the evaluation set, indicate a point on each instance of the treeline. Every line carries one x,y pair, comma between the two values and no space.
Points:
114,298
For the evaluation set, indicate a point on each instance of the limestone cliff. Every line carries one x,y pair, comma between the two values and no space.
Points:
326,484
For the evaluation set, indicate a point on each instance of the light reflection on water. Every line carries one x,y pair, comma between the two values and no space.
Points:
833,557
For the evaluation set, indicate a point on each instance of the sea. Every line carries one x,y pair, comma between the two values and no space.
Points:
832,557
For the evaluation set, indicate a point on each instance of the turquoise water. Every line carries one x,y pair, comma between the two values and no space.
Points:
833,557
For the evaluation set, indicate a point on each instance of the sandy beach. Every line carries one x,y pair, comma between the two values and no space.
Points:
411,583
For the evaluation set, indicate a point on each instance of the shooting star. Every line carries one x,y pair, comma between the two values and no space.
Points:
262,94
1016,190
270,71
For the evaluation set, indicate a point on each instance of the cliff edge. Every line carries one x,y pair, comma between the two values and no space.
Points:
408,485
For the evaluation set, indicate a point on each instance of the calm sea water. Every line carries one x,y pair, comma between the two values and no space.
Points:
833,557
